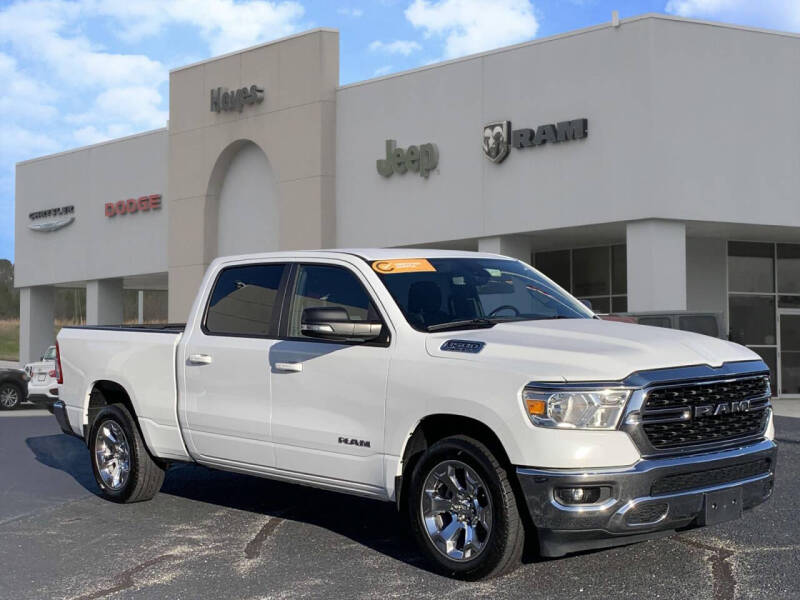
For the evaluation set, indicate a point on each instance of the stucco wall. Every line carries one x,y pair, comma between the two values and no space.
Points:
687,121
93,246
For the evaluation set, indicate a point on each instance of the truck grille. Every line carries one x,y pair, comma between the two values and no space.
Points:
676,416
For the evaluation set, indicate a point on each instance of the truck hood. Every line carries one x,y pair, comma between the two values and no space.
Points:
588,349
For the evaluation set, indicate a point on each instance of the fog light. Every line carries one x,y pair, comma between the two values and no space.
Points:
578,495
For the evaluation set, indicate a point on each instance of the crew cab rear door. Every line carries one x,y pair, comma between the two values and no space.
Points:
328,397
227,401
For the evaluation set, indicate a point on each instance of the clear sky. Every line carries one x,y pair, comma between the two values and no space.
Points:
76,72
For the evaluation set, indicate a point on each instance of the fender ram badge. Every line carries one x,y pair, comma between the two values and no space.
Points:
466,346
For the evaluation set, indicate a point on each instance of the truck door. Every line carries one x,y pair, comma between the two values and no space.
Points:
328,397
227,402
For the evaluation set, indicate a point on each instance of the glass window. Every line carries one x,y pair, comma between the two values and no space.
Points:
789,301
705,324
655,321
619,270
619,304
50,354
244,300
789,268
555,265
770,356
463,289
590,272
750,267
752,320
599,305
328,286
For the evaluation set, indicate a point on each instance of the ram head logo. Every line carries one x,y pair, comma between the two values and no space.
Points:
496,138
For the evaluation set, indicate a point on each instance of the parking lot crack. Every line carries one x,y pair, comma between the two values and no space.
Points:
721,570
125,579
253,548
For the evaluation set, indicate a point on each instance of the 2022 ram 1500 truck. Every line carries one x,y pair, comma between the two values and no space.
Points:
482,398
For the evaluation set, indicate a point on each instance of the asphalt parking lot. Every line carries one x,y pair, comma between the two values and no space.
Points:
211,534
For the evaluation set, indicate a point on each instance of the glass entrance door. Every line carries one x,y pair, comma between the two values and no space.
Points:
789,352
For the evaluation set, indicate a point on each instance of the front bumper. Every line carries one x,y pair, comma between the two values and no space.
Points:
652,498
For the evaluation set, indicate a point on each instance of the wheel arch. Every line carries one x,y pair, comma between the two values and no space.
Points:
113,393
435,427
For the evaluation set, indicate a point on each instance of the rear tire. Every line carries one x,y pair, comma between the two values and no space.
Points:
463,511
10,396
122,466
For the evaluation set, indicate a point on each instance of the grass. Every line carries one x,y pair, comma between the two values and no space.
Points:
9,340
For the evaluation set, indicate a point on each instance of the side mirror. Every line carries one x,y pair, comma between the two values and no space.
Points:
334,324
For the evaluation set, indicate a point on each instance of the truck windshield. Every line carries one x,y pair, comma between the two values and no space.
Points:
452,293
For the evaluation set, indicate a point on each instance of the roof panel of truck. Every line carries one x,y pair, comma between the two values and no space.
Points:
368,254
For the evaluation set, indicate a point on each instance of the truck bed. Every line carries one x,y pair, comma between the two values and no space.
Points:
139,358
148,327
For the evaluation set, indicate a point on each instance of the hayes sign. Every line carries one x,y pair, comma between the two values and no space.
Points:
224,100
499,138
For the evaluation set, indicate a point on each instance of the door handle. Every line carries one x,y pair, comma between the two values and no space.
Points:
291,367
199,359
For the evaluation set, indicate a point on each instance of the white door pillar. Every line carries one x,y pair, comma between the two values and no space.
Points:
104,302
36,321
515,246
656,265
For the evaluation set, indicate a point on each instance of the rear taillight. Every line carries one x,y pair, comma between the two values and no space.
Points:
52,374
58,373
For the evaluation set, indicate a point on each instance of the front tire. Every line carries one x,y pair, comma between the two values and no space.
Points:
463,512
10,396
123,468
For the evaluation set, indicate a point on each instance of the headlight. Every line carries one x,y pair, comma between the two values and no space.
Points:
578,409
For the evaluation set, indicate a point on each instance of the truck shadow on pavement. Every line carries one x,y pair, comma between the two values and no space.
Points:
66,453
371,523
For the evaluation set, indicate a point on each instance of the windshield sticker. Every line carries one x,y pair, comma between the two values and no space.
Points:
402,265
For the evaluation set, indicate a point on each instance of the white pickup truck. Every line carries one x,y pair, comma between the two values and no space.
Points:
468,388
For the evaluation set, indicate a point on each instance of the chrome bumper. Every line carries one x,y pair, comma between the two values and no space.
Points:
629,511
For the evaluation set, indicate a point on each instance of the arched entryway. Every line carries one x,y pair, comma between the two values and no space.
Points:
247,211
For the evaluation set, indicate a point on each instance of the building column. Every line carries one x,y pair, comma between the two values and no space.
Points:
515,246
36,321
104,302
656,265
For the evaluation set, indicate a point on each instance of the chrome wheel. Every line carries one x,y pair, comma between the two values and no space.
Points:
112,455
456,510
9,396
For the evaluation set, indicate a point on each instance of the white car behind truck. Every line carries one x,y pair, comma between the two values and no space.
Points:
43,386
468,388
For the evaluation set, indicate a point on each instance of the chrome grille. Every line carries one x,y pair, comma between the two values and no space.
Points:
705,412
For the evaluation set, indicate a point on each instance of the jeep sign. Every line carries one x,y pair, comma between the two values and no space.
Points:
418,159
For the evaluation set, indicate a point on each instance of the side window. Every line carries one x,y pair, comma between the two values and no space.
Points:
245,301
328,287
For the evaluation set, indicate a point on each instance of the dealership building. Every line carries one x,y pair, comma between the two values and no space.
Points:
647,165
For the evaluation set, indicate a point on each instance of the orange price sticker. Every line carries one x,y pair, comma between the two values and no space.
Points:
402,265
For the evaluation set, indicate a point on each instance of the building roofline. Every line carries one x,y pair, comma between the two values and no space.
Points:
568,34
255,47
90,146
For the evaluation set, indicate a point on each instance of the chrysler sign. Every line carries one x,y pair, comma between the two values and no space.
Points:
51,219
499,138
